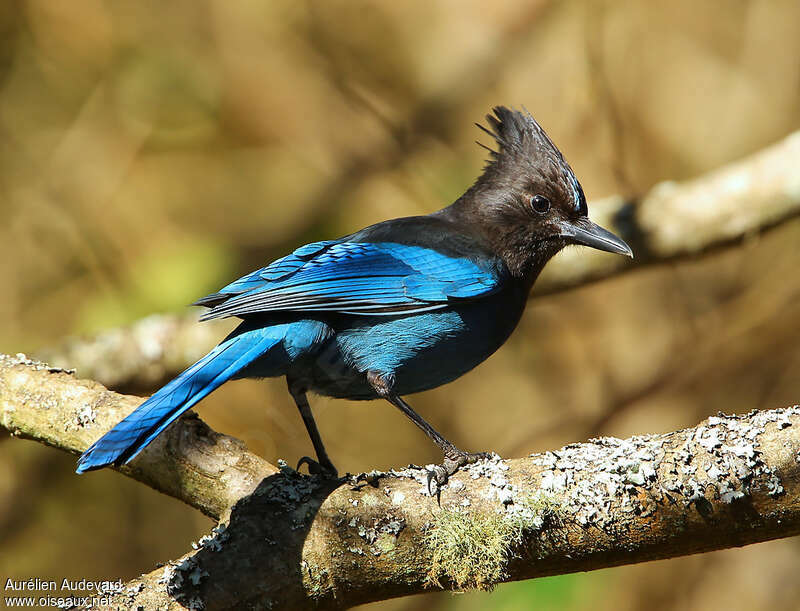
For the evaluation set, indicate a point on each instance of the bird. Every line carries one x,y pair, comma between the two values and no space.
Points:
396,308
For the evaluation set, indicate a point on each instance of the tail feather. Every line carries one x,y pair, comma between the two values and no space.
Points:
137,430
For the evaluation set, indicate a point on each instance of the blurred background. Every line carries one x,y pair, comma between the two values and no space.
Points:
151,152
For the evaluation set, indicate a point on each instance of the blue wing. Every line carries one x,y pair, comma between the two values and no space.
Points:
274,271
365,278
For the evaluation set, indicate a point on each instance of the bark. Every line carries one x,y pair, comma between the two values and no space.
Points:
289,541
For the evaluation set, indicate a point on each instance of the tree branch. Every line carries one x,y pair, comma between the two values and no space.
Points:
189,461
139,356
672,222
292,541
683,220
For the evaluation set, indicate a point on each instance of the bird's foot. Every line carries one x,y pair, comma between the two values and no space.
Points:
324,468
439,474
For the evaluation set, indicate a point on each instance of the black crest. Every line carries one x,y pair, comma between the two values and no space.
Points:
519,137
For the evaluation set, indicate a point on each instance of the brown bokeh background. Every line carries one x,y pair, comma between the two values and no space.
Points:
151,152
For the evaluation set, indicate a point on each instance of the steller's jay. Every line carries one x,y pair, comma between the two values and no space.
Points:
397,308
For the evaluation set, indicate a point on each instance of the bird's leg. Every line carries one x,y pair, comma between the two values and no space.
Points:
453,456
323,464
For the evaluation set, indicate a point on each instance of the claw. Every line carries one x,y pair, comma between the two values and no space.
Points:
325,469
439,474
313,465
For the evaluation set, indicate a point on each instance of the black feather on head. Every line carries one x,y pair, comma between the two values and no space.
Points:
527,166
527,204
519,136
527,158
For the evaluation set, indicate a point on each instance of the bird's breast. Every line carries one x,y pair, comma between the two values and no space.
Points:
421,351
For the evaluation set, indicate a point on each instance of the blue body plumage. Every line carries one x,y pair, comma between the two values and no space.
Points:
394,309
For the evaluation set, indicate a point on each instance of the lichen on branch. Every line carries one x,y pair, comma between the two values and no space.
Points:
286,540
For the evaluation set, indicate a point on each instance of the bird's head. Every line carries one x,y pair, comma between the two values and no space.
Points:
528,201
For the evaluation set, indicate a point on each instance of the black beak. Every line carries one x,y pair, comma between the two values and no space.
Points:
587,233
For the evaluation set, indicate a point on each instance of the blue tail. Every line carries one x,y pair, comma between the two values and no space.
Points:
134,433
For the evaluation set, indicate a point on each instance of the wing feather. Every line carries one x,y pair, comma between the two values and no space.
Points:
356,278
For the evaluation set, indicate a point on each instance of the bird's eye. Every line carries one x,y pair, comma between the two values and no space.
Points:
540,203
